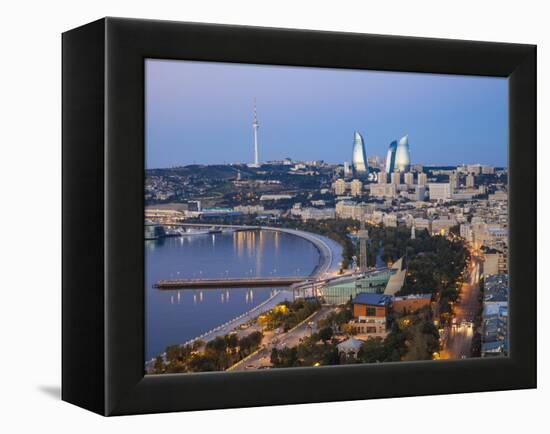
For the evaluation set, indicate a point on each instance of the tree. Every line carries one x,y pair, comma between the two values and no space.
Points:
232,341
274,359
373,350
158,366
325,334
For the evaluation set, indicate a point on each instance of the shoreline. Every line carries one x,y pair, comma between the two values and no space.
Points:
330,253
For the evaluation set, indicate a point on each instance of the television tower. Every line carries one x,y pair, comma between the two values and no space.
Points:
255,126
363,236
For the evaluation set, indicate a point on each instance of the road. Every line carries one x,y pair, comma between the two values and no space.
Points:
261,359
459,336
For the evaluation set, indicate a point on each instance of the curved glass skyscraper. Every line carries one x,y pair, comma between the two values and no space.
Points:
399,156
359,155
403,155
390,158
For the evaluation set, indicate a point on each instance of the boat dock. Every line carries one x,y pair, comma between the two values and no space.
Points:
229,283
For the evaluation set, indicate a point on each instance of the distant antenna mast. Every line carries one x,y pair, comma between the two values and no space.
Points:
255,126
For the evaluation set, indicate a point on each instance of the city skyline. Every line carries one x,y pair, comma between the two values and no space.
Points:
203,113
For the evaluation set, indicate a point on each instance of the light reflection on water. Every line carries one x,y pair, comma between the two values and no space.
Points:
175,316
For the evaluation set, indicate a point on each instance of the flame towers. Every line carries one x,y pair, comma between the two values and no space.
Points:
390,158
399,156
359,156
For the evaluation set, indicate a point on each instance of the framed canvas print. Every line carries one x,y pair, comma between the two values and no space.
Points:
258,216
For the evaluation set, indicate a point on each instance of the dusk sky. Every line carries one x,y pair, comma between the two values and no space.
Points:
202,112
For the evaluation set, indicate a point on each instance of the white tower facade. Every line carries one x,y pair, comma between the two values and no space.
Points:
255,126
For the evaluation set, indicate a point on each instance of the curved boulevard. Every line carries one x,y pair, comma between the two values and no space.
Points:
293,256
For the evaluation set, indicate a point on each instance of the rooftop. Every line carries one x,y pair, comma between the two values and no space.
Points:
371,299
413,297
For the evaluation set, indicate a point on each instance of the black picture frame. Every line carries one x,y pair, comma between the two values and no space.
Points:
103,179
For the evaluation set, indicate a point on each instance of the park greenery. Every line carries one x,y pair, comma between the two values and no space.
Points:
314,350
412,337
435,264
338,320
336,229
287,315
216,355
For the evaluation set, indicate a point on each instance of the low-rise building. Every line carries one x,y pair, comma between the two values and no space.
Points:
410,303
370,312
390,220
317,213
356,187
440,191
383,190
442,225
350,347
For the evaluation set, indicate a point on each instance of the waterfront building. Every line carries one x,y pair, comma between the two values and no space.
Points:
356,187
422,179
343,289
249,209
317,213
470,181
370,312
440,191
395,178
163,215
409,178
402,155
397,278
154,232
340,187
359,155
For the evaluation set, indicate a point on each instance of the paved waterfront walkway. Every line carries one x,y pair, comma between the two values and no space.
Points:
330,253
229,326
232,324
